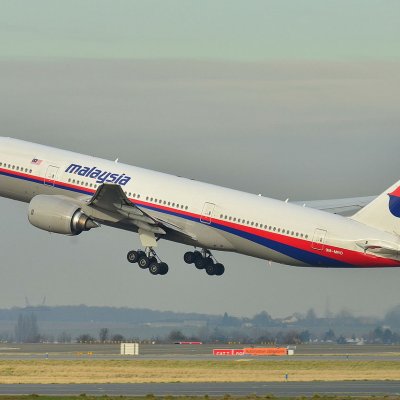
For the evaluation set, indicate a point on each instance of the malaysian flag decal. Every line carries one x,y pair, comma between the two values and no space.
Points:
36,161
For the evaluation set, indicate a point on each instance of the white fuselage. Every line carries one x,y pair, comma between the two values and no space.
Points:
218,218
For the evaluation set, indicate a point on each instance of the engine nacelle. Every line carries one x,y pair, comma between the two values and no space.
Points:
58,214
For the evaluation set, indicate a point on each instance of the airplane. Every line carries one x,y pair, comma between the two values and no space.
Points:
69,193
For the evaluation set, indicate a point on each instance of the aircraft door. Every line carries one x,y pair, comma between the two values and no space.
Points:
318,242
207,213
51,175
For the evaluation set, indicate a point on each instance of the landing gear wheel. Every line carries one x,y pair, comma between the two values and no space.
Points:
163,268
132,256
208,261
143,261
210,269
154,268
189,257
152,259
219,269
200,263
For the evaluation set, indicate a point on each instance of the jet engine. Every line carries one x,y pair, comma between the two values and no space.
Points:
58,214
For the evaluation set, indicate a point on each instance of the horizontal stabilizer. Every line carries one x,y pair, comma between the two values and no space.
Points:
380,247
345,207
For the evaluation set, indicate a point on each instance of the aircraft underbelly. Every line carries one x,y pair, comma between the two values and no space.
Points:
12,189
210,237
250,248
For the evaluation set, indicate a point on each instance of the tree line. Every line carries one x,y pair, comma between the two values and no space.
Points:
27,331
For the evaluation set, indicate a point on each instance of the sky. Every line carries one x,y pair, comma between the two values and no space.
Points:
291,99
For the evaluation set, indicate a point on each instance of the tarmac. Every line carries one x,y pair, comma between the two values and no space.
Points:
280,389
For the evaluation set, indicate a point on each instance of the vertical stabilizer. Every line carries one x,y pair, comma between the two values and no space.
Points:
384,212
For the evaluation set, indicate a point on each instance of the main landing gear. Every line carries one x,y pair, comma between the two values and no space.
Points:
148,259
204,260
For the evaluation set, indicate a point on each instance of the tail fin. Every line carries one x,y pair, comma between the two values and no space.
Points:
383,212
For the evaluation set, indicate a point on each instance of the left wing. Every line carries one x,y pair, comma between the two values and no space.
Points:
111,198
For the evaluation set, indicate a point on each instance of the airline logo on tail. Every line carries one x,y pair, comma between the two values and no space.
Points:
394,202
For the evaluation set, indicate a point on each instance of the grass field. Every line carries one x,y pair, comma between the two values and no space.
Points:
147,371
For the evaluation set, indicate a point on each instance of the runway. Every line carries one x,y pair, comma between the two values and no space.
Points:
353,388
75,351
